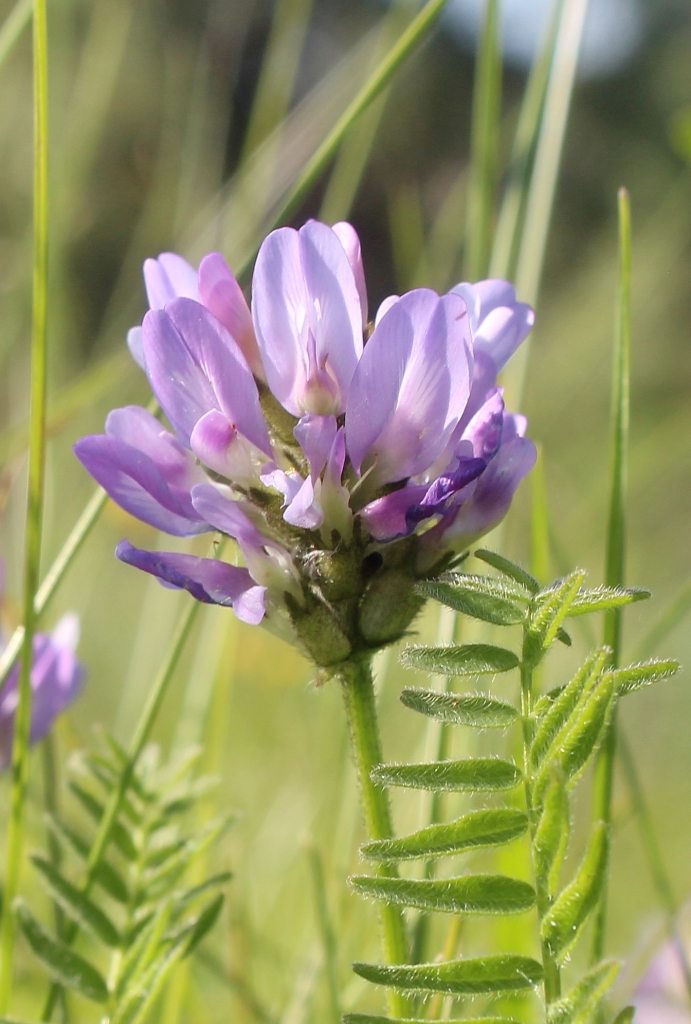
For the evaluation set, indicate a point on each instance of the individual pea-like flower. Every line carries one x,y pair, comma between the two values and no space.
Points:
57,677
347,460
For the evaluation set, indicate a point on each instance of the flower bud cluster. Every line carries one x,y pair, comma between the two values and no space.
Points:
347,459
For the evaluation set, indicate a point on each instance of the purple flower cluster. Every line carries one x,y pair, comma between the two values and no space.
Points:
57,677
333,451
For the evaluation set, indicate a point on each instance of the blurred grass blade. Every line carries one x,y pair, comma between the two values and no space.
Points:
675,613
350,164
484,146
543,181
512,211
328,936
615,558
275,88
539,522
13,26
409,40
279,69
35,494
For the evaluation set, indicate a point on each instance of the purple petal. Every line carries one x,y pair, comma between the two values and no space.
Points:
385,307
132,479
287,484
315,435
350,241
207,579
167,278
492,496
485,428
194,366
222,295
499,322
411,386
386,518
142,431
135,345
225,515
444,488
302,510
307,318
57,677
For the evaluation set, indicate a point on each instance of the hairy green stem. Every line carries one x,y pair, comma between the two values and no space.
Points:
139,741
35,488
360,706
552,982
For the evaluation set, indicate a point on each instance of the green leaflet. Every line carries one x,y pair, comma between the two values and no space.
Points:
367,1018
548,616
504,973
78,906
106,875
473,774
634,677
461,709
66,966
510,569
94,807
470,595
460,659
625,1016
204,923
561,926
552,834
565,704
477,829
471,894
602,598
580,1004
580,741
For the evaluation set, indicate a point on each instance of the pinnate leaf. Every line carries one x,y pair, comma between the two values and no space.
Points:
461,709
460,659
565,705
119,834
552,833
510,569
503,973
551,609
475,830
602,598
634,677
579,1005
478,596
577,746
107,877
470,894
471,774
368,1018
66,966
562,925
76,904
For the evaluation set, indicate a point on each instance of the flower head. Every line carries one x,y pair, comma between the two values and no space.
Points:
57,677
346,460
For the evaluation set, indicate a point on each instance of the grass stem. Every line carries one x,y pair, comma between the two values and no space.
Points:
35,495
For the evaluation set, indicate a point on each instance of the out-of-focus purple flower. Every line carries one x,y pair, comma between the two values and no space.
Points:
57,677
662,996
311,438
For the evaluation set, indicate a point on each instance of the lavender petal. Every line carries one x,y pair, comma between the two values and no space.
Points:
207,579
